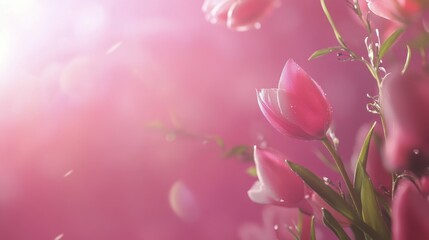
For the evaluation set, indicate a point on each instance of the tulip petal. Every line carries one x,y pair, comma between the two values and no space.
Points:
258,194
410,213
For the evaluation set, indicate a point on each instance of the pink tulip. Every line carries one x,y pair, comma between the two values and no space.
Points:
410,213
298,107
277,184
402,11
405,104
240,15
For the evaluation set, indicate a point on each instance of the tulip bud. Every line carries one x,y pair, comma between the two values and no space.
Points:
238,15
277,184
405,104
410,211
298,107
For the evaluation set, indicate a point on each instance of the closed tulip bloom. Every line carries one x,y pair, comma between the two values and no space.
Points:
240,15
277,184
405,104
402,11
410,211
298,107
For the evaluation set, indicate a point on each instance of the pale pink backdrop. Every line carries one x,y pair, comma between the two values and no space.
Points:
83,85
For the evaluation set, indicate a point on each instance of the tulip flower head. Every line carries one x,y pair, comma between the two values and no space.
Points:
298,107
405,104
410,213
240,15
402,11
277,183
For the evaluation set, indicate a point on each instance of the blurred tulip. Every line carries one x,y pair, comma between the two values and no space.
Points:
402,11
240,15
278,184
298,107
405,101
410,213
277,224
379,175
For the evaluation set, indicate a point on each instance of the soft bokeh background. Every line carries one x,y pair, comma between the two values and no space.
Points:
86,85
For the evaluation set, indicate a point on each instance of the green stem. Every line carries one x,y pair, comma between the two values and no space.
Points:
340,165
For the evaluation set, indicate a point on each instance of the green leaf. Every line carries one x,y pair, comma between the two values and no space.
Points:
331,197
371,212
331,22
251,171
325,192
312,231
324,51
332,223
362,159
407,60
386,45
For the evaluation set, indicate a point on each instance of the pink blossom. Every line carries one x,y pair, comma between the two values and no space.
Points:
398,10
298,107
405,100
277,184
277,224
410,213
240,15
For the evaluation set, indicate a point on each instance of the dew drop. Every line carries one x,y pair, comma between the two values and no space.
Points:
276,227
307,196
416,151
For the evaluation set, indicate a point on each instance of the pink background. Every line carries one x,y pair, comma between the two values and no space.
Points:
78,159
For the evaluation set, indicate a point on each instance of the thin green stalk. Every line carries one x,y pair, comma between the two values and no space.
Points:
340,165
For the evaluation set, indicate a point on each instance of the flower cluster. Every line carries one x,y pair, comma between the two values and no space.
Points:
388,195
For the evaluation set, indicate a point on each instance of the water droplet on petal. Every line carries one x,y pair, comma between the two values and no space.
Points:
416,151
276,227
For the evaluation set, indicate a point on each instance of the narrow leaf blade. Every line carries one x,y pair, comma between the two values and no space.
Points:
385,47
362,159
332,223
325,192
331,22
371,212
324,51
331,197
